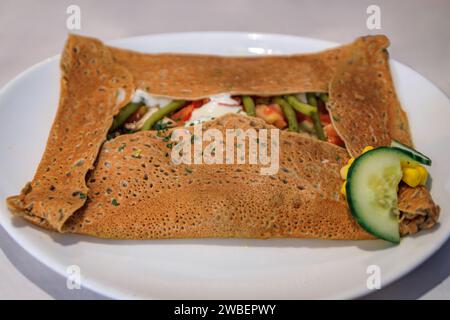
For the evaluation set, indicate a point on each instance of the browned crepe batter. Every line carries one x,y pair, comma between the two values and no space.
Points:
147,197
90,86
187,76
363,106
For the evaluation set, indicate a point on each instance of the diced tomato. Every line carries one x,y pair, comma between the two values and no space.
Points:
321,106
137,115
276,108
184,114
198,103
301,117
280,124
332,136
272,114
325,118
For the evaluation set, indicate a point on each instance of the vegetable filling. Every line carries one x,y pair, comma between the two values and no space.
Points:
302,112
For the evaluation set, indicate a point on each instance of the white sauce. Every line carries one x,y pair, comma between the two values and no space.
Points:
217,106
120,95
150,100
302,97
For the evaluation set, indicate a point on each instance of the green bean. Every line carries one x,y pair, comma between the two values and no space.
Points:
161,113
249,105
301,107
308,110
318,126
312,99
289,113
124,114
324,97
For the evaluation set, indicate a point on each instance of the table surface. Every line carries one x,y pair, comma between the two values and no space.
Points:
31,31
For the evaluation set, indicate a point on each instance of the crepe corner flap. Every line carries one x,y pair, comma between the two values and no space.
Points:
363,105
147,197
93,89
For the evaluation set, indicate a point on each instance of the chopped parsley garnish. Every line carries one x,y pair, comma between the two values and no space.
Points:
82,195
160,126
188,170
111,136
79,194
114,202
122,147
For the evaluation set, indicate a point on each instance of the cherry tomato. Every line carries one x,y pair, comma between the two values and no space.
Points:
272,114
321,106
332,136
184,114
325,118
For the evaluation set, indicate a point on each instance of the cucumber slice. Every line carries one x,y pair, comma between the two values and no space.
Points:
414,154
372,184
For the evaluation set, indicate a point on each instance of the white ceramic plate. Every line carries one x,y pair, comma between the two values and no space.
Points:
217,268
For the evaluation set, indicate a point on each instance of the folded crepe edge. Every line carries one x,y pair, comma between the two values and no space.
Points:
92,82
363,105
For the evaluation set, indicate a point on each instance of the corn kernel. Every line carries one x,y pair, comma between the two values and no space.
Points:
411,176
408,164
368,148
344,171
344,189
423,174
